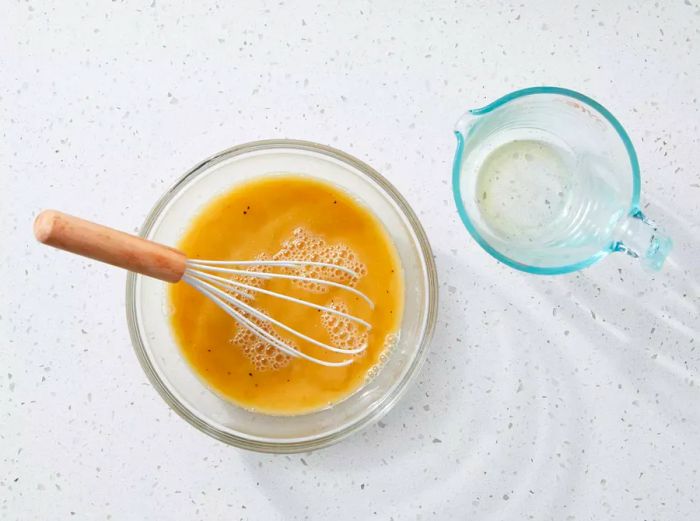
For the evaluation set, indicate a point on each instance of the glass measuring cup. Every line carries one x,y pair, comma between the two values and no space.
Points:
547,181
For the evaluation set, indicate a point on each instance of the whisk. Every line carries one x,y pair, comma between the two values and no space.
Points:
218,280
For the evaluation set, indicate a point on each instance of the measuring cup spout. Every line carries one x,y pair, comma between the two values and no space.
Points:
642,239
464,124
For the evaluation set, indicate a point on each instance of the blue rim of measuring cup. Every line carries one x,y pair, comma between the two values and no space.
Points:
456,174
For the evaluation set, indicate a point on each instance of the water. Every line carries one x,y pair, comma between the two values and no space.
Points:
544,203
523,187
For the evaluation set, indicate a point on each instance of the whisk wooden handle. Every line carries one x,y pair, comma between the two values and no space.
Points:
105,244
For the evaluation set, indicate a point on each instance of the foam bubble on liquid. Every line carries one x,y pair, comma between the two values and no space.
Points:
249,280
343,332
305,246
390,343
263,355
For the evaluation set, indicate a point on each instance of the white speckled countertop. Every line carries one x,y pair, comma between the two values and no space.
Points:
568,398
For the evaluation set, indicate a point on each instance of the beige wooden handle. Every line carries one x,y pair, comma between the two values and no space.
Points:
108,245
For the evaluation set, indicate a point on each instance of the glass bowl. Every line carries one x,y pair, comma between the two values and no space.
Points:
176,381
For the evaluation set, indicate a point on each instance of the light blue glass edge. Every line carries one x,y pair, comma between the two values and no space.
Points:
457,191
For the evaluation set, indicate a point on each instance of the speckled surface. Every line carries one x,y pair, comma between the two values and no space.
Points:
567,398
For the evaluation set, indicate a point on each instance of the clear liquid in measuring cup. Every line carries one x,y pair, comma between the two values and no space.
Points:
522,187
536,195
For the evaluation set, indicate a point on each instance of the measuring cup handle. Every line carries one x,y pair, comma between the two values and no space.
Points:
642,239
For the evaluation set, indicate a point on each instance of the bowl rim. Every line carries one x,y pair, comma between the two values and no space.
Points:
387,401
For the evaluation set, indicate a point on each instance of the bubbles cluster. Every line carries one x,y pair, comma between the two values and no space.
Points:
263,355
343,332
255,282
305,246
390,343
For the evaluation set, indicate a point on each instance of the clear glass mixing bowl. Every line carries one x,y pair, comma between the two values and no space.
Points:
186,393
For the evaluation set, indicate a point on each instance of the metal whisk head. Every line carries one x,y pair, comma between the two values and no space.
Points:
220,282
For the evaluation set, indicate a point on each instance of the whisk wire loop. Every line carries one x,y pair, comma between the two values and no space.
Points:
229,294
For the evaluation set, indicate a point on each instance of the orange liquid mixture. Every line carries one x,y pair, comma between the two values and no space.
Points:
285,217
